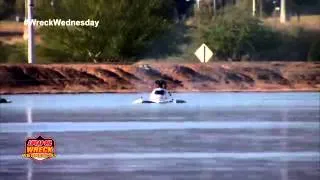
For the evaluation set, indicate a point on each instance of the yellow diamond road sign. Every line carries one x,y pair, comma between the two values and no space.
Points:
203,53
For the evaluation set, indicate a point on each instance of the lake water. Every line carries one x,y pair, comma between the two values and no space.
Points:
213,136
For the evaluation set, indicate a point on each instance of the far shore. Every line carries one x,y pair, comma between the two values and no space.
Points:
175,91
139,78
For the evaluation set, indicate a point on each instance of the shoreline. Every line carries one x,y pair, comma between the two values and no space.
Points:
139,78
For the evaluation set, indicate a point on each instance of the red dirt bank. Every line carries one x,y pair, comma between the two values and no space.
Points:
237,76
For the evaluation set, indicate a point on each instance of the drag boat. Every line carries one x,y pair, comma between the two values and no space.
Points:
159,95
2,100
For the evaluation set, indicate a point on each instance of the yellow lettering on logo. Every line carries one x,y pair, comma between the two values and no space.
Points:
32,150
48,149
35,149
40,149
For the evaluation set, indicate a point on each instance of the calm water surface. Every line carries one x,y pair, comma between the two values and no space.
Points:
213,136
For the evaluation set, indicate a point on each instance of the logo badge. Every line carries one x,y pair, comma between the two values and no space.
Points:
39,148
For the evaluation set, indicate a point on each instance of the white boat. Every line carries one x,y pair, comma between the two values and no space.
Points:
160,96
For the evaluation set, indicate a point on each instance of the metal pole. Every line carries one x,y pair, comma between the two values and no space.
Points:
253,7
25,9
283,15
261,8
31,42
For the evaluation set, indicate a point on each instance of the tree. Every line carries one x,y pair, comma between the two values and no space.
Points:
6,8
125,30
2,7
20,7
297,5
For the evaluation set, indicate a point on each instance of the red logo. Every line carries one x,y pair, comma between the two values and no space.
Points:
39,148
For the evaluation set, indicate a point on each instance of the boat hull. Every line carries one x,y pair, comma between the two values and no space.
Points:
141,101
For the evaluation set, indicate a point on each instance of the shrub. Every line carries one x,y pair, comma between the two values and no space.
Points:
13,53
314,52
3,53
235,32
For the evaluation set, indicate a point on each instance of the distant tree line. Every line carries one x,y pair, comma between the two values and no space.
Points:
128,28
11,8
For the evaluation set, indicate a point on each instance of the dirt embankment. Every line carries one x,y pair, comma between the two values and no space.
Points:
58,78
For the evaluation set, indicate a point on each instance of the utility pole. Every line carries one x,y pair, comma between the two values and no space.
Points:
198,4
31,40
253,7
214,5
283,15
261,8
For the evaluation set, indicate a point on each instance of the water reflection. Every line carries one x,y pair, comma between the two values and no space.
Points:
201,157
29,134
284,132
